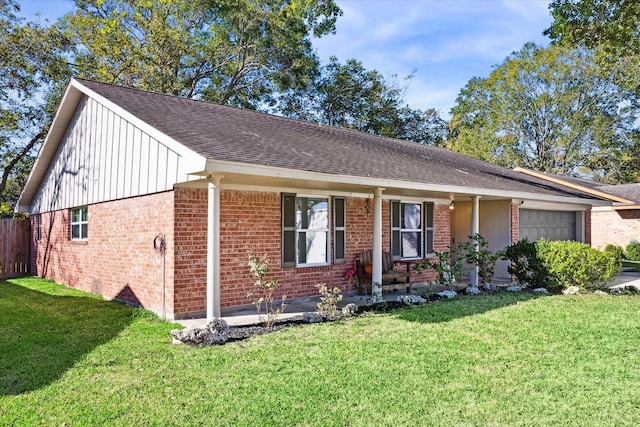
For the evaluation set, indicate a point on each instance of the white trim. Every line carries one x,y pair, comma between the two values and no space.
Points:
372,182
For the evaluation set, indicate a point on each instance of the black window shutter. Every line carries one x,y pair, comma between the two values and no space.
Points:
288,244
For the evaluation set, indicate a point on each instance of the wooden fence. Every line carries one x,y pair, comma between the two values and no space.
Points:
15,247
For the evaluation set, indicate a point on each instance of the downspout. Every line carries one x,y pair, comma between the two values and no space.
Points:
376,267
213,248
475,229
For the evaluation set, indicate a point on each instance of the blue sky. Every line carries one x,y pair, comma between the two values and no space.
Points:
446,42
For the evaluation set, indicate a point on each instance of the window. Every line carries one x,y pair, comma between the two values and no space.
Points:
305,230
411,229
79,223
339,241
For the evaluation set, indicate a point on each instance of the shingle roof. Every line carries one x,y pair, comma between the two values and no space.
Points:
246,136
627,191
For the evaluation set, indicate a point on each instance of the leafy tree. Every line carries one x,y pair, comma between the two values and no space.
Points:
348,95
613,24
611,28
32,71
236,52
548,109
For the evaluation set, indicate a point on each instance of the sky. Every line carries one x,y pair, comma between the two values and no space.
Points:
445,42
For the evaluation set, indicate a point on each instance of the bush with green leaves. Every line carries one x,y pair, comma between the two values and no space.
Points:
329,299
477,254
526,265
615,250
633,251
265,290
448,265
577,264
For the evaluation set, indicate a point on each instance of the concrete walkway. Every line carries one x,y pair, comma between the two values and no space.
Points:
246,314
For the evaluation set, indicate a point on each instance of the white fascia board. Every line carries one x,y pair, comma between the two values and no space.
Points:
222,167
193,160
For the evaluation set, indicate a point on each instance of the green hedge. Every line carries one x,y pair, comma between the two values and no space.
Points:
633,251
562,264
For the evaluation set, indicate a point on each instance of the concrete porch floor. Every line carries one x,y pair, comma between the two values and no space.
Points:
246,314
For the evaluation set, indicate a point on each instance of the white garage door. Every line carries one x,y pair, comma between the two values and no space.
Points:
552,225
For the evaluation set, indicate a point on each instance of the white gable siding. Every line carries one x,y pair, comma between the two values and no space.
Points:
104,157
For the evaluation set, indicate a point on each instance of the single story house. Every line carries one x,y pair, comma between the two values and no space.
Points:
617,223
159,200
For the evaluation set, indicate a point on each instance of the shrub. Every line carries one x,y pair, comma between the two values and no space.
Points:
480,256
448,265
329,299
577,264
526,266
633,251
265,290
615,250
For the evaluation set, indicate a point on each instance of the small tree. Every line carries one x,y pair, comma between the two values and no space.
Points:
329,299
478,255
265,290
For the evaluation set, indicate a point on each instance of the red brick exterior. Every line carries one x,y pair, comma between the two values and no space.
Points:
118,259
587,227
515,222
615,227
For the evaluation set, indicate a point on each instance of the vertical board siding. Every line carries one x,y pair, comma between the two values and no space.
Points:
104,157
15,243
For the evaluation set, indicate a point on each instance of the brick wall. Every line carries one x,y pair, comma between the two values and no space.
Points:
615,227
117,260
587,227
515,222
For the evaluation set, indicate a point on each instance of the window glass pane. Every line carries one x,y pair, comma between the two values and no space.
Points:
411,216
75,231
312,214
75,215
339,244
312,247
84,231
84,214
302,247
411,247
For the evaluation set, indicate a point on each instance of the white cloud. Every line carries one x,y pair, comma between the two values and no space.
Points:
447,42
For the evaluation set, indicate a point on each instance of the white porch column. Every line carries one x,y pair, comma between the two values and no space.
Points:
475,229
213,248
376,267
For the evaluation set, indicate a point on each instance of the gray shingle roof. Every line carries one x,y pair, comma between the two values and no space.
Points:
627,191
241,135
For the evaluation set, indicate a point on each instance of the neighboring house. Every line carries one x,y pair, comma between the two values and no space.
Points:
122,168
617,224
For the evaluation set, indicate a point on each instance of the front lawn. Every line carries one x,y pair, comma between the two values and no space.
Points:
68,358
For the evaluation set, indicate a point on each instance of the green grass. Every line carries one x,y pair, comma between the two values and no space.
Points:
67,358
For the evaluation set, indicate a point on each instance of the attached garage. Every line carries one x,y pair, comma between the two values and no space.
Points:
552,225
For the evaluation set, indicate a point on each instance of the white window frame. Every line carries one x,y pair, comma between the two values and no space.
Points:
425,230
79,223
326,230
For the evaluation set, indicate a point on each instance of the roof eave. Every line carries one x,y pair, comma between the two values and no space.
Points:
220,167
573,186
